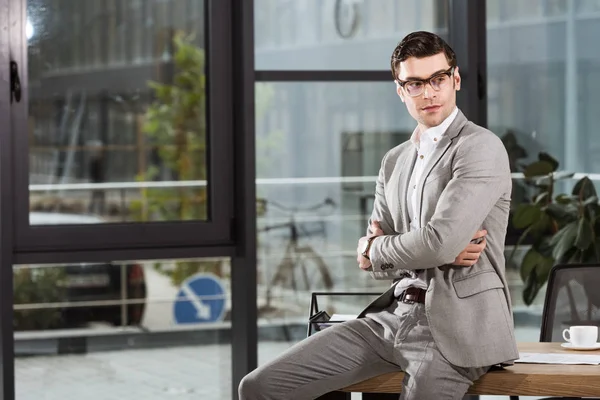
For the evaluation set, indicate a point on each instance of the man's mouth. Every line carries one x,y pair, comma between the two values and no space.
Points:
431,108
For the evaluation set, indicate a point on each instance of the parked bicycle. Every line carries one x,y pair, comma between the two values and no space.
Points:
301,268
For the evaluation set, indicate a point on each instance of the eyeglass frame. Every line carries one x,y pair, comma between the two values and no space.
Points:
449,72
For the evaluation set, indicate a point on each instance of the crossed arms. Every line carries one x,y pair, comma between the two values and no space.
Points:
479,178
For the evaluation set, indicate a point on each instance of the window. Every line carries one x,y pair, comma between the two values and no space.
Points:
316,181
542,83
154,328
339,34
117,116
122,113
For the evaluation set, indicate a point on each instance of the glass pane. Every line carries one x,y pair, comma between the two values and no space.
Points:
127,330
313,209
117,111
319,149
543,80
339,34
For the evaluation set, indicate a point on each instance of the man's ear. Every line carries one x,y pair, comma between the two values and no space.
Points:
457,79
399,91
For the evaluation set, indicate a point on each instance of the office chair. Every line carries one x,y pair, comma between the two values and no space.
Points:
572,298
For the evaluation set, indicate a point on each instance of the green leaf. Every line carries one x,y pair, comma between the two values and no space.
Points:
584,188
541,198
591,200
544,246
573,256
530,261
585,234
560,213
542,182
593,210
537,278
538,168
564,199
519,242
563,175
531,289
525,215
534,261
564,240
543,269
549,159
542,225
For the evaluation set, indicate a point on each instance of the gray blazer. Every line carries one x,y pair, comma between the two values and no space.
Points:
466,186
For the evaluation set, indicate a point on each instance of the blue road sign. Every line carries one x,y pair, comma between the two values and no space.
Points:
201,298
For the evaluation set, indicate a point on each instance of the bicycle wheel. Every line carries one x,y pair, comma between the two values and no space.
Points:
313,270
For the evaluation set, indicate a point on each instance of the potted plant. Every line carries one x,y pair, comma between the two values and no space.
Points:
562,229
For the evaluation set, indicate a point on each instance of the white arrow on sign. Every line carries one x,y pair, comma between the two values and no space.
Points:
202,309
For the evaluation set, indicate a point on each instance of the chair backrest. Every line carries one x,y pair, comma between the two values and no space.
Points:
572,298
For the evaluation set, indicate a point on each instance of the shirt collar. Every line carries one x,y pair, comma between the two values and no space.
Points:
434,133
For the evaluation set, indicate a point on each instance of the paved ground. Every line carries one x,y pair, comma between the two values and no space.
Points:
179,373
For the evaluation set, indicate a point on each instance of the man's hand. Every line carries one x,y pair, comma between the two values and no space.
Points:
363,262
469,256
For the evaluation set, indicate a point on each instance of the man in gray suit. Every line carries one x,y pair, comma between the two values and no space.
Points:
446,319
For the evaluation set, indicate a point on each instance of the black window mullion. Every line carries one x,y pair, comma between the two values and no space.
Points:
323,75
12,21
218,34
467,36
244,265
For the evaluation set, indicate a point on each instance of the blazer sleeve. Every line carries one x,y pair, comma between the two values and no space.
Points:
481,175
381,211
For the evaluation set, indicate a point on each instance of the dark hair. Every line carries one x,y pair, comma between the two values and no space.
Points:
420,44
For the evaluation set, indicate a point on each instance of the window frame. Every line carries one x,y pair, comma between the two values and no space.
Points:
215,231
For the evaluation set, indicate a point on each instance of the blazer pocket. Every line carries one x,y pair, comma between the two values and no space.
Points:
470,285
434,176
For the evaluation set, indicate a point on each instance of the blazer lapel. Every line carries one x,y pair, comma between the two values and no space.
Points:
453,130
405,173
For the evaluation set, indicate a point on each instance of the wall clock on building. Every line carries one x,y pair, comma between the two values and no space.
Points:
347,17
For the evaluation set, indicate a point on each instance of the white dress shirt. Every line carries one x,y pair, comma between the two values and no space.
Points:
425,142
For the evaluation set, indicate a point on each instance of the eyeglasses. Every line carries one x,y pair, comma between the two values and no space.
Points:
416,87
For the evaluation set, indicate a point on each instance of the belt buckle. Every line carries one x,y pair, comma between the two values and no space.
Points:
406,299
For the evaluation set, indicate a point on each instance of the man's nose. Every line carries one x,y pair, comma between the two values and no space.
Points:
427,91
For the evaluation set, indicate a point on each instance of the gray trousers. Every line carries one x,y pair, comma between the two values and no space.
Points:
395,339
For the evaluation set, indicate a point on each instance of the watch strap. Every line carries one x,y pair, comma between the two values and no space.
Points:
365,253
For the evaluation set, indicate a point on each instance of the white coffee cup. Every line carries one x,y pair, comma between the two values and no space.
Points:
583,336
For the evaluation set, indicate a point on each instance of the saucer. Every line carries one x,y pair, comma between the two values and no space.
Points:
571,346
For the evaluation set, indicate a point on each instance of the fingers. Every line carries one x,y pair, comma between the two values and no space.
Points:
480,233
466,263
476,248
468,258
376,228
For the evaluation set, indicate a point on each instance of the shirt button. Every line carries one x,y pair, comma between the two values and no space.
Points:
435,139
421,156
414,186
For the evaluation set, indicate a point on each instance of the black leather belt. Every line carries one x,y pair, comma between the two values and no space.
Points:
413,295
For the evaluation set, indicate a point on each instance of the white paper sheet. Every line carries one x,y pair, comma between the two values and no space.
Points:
558,358
342,317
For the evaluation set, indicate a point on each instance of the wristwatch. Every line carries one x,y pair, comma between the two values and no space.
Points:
367,247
